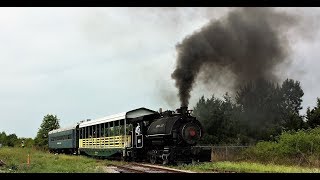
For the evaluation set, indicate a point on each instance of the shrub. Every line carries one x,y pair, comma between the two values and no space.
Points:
302,146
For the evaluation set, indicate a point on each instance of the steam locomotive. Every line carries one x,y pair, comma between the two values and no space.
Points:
137,135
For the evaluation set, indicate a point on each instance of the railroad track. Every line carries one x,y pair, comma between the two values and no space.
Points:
146,168
151,168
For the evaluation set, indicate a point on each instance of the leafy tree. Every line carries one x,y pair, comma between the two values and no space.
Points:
259,102
313,116
215,115
50,122
8,140
291,94
12,140
3,139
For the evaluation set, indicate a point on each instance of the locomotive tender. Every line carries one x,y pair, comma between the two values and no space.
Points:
137,135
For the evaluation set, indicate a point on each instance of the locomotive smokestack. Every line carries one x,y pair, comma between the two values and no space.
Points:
183,110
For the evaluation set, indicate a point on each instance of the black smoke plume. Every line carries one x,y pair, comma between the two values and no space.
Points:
249,42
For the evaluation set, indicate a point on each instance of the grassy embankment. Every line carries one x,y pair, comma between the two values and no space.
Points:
44,162
247,167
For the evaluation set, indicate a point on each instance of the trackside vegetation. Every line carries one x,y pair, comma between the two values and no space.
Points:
44,162
300,147
247,167
292,152
16,161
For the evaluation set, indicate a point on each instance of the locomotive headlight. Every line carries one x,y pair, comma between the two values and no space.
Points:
192,132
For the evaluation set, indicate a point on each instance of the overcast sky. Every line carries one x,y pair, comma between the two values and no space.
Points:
80,63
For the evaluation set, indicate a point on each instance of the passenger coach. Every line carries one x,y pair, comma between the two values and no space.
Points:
64,140
111,135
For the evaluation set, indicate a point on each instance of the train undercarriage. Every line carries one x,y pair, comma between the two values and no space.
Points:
168,155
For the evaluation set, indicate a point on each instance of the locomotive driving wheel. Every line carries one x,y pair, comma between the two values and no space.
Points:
153,157
165,161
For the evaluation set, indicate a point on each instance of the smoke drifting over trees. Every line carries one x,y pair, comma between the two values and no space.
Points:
249,42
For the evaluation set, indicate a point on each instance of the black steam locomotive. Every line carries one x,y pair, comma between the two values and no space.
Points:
137,135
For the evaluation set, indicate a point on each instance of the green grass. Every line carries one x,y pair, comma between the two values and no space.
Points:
43,162
247,167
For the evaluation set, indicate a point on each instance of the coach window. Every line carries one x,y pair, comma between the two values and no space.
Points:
116,128
121,127
81,134
103,133
85,133
106,130
129,129
94,131
111,128
91,134
98,131
89,131
114,132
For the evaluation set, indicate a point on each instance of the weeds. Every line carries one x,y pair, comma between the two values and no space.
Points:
43,162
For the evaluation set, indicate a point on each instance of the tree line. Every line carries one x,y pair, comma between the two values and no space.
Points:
260,110
49,122
12,140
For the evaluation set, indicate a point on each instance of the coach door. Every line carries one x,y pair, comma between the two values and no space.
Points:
138,140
